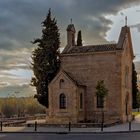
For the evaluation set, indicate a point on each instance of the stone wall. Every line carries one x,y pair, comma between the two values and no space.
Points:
89,69
72,113
126,84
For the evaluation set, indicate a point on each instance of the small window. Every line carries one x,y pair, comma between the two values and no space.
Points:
62,101
100,103
81,101
61,83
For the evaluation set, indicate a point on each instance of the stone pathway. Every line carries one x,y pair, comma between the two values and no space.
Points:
117,128
137,119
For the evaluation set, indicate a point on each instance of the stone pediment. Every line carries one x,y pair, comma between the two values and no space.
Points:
63,74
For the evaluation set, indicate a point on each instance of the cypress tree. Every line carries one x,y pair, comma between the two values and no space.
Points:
134,87
138,100
45,58
79,39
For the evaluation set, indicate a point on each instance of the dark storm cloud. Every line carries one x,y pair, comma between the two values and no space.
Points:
20,19
20,23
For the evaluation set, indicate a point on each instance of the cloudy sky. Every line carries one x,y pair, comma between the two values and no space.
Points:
20,22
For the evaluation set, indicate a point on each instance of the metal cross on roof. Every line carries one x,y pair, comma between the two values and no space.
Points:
125,20
71,20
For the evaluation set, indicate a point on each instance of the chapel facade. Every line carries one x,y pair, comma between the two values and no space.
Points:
72,93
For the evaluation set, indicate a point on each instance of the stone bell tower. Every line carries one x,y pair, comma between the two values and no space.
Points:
71,35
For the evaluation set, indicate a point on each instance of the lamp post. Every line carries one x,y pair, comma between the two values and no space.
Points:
102,121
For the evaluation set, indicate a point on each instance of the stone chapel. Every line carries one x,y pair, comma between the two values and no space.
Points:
72,95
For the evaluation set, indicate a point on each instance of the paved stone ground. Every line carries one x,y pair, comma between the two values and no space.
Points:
70,136
117,128
91,136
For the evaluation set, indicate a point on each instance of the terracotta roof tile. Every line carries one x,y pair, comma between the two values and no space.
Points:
90,48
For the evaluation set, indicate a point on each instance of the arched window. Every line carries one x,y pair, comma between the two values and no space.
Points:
62,101
100,102
61,83
81,100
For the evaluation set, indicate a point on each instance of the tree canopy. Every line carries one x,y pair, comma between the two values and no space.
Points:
101,90
134,86
138,99
45,58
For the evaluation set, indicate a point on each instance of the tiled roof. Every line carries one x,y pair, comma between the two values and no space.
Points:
90,48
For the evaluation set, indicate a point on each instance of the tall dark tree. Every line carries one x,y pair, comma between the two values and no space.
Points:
138,100
134,86
45,58
79,39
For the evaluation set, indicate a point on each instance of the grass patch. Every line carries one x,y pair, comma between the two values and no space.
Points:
135,113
